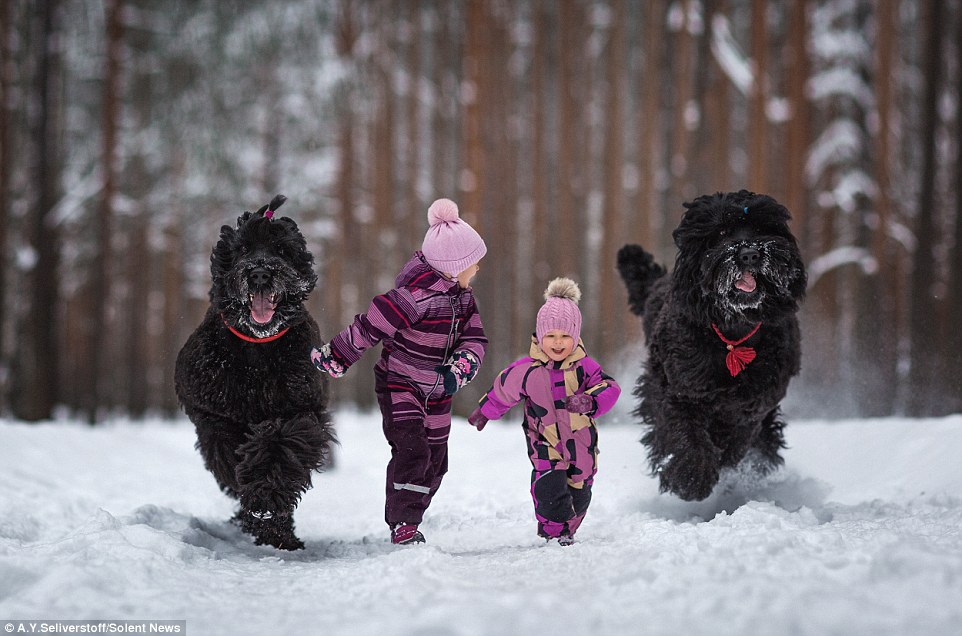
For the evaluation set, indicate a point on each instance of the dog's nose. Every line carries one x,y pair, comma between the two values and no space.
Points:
259,277
749,256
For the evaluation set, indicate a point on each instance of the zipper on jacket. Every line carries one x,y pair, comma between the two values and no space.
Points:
447,343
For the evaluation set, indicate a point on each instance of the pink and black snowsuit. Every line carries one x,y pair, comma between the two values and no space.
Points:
421,322
562,446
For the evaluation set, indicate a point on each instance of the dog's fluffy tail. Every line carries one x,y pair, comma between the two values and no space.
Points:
639,271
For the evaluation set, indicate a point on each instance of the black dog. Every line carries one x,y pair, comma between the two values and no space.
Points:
723,340
245,379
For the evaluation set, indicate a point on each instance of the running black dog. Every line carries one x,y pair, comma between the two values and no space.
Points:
246,381
723,340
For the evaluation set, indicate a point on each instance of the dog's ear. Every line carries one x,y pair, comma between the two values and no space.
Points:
221,256
227,236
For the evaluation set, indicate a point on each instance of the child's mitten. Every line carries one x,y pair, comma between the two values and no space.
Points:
581,403
460,369
326,360
477,419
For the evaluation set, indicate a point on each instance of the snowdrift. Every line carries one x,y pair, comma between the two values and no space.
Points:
861,533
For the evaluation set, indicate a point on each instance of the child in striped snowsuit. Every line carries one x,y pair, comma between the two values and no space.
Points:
434,343
563,391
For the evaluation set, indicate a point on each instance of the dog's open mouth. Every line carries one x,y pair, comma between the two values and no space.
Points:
262,307
746,283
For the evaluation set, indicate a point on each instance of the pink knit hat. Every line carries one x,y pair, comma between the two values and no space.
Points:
450,245
560,310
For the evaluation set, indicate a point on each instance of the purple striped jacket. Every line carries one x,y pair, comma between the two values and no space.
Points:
420,322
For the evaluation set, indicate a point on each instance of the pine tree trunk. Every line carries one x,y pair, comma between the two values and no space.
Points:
611,328
799,126
96,397
36,388
880,293
475,51
564,222
924,377
652,215
6,161
758,129
954,353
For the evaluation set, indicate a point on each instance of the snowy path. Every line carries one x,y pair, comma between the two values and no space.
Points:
860,534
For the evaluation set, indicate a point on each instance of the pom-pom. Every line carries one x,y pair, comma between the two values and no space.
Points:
563,288
443,211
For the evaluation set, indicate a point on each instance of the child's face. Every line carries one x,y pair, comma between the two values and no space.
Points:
464,278
557,345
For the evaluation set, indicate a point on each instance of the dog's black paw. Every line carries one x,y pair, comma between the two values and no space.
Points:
691,476
269,529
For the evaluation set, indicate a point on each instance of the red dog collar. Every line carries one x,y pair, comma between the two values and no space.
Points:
252,339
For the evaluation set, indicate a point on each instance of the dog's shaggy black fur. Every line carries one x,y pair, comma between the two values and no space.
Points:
738,266
258,404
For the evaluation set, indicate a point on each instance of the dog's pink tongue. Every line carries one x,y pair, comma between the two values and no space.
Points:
746,283
262,309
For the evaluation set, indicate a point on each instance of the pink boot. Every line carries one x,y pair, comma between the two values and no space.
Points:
405,534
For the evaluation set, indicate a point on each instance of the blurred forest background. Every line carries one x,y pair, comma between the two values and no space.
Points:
131,130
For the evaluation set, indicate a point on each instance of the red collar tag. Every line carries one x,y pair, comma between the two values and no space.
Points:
738,357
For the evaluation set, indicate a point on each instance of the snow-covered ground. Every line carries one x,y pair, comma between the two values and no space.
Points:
861,533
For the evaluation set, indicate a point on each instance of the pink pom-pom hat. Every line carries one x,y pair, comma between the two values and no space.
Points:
560,310
450,245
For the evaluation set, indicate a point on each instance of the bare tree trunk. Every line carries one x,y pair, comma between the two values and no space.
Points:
758,129
139,284
475,52
173,286
36,376
100,291
385,129
880,294
6,161
799,126
954,357
612,327
541,267
651,145
412,215
446,144
924,380
565,261
684,52
715,135
339,247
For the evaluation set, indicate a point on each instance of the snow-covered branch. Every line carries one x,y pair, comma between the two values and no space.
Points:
730,57
848,255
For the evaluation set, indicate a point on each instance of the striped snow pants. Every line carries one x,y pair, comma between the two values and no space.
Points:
417,431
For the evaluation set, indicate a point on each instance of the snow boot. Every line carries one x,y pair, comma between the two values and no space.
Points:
563,539
269,528
405,534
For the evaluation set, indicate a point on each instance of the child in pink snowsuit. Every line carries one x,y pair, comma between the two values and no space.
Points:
563,391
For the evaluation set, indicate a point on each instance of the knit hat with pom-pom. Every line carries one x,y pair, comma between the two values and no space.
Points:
560,310
451,245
